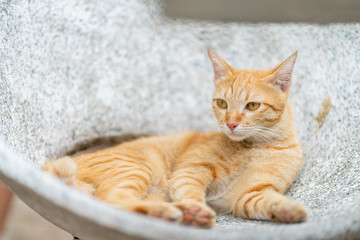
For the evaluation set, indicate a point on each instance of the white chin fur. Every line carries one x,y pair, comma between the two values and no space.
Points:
235,137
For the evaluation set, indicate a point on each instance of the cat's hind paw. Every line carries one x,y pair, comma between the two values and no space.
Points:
161,210
196,214
168,213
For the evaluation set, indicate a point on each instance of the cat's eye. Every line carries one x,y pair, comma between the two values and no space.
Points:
252,106
221,103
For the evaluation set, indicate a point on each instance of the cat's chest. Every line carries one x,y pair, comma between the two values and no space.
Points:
218,190
230,168
231,165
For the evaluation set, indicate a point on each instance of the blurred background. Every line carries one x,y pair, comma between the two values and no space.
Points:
307,11
23,223
15,215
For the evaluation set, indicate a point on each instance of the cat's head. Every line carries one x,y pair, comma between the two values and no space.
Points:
249,104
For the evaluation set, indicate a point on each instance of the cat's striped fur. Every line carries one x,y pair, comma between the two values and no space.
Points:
244,169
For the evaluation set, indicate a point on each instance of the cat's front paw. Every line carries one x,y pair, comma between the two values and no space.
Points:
196,214
287,211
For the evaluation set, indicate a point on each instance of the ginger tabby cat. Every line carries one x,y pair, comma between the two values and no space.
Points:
244,169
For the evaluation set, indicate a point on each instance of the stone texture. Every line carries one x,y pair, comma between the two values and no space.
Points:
77,70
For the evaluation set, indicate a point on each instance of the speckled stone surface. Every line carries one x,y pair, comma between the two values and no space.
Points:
77,70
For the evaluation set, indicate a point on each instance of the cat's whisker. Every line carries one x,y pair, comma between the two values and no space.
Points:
277,132
262,136
264,128
272,130
259,139
267,130
271,134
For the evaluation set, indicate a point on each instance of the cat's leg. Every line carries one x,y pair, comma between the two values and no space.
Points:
258,194
158,209
188,184
268,204
127,185
128,196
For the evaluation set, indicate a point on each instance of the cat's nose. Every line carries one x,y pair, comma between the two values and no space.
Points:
231,125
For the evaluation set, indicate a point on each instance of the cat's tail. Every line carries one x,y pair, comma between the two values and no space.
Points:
65,168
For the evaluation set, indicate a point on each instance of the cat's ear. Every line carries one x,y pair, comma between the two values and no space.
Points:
221,68
281,75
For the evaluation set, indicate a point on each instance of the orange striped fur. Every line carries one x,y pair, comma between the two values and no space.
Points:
244,169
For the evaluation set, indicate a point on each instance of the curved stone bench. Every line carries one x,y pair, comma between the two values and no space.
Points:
72,71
